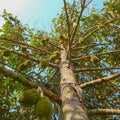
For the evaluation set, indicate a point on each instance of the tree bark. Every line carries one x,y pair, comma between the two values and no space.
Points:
71,94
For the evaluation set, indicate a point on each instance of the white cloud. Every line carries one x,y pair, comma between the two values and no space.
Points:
36,13
12,6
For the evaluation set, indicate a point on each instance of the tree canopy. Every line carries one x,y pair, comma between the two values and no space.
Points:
31,58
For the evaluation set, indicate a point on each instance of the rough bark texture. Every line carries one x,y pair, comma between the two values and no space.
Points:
71,94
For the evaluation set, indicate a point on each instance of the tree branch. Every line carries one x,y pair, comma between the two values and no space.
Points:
12,68
95,69
54,45
104,111
68,26
53,75
100,80
78,20
97,28
88,46
20,78
86,57
75,29
30,46
73,5
49,42
30,57
88,3
67,19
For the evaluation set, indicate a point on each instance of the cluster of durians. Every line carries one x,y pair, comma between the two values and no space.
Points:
42,104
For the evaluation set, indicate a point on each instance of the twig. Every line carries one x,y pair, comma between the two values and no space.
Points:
52,77
88,3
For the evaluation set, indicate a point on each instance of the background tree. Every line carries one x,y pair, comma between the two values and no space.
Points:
76,64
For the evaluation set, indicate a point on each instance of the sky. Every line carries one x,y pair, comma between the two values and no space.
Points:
36,13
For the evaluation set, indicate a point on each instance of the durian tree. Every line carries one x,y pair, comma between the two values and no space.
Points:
76,65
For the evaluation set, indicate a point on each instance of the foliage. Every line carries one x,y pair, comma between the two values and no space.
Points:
36,56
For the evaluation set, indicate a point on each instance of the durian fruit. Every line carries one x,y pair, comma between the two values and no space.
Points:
25,65
94,59
21,67
43,109
61,41
63,38
57,61
29,98
53,57
45,41
81,40
6,52
57,53
44,63
24,48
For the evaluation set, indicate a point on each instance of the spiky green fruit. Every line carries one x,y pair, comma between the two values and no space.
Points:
45,41
44,63
43,109
6,52
81,40
57,61
29,98
57,53
21,67
24,65
24,48
94,59
27,63
63,38
53,57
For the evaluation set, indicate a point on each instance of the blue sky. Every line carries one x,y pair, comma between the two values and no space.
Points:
36,13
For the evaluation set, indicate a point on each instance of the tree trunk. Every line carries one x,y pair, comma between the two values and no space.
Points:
71,94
